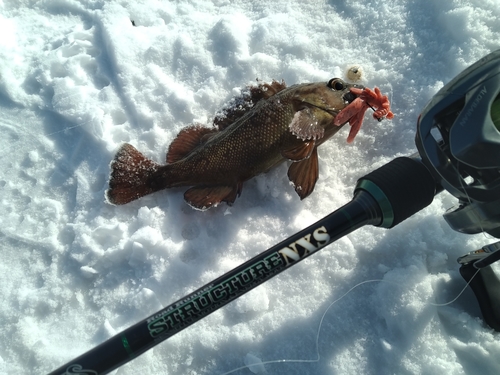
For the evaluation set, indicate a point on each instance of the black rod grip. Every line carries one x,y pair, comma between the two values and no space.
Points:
401,187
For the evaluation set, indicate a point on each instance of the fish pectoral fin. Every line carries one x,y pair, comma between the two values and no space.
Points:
304,174
306,126
204,197
300,152
187,140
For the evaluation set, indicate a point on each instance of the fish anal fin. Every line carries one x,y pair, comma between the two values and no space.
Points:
205,197
304,174
187,140
305,125
300,152
241,104
131,174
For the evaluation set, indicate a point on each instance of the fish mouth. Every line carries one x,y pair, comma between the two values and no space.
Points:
349,96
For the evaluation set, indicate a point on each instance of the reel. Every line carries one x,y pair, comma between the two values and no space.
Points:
458,139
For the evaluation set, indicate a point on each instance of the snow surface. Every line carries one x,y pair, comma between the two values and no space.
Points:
78,79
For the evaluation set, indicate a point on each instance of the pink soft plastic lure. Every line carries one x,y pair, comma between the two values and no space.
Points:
355,111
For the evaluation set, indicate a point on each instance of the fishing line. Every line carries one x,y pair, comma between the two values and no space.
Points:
71,127
24,141
54,103
459,294
317,334
323,317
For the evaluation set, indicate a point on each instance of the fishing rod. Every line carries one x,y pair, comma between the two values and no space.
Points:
377,201
383,198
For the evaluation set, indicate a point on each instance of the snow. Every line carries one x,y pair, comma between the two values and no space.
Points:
78,79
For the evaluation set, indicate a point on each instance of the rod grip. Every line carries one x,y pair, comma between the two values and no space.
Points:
401,187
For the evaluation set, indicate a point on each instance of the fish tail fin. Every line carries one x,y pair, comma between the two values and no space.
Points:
132,176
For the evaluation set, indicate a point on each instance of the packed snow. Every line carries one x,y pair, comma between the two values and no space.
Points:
77,79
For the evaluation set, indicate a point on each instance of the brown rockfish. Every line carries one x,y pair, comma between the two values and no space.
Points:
266,126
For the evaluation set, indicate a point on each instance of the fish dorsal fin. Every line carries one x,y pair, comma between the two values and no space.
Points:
266,90
304,174
187,140
300,152
204,197
241,104
306,126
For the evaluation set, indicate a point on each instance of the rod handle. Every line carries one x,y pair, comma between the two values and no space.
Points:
401,188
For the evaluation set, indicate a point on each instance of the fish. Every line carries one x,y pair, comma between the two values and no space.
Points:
265,126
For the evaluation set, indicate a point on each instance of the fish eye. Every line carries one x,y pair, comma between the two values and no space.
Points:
336,84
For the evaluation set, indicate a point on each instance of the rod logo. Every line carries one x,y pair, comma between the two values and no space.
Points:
198,305
203,302
305,245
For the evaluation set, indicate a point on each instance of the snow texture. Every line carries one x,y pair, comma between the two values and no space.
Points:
77,79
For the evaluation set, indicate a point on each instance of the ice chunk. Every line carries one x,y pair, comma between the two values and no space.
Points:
254,364
88,272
